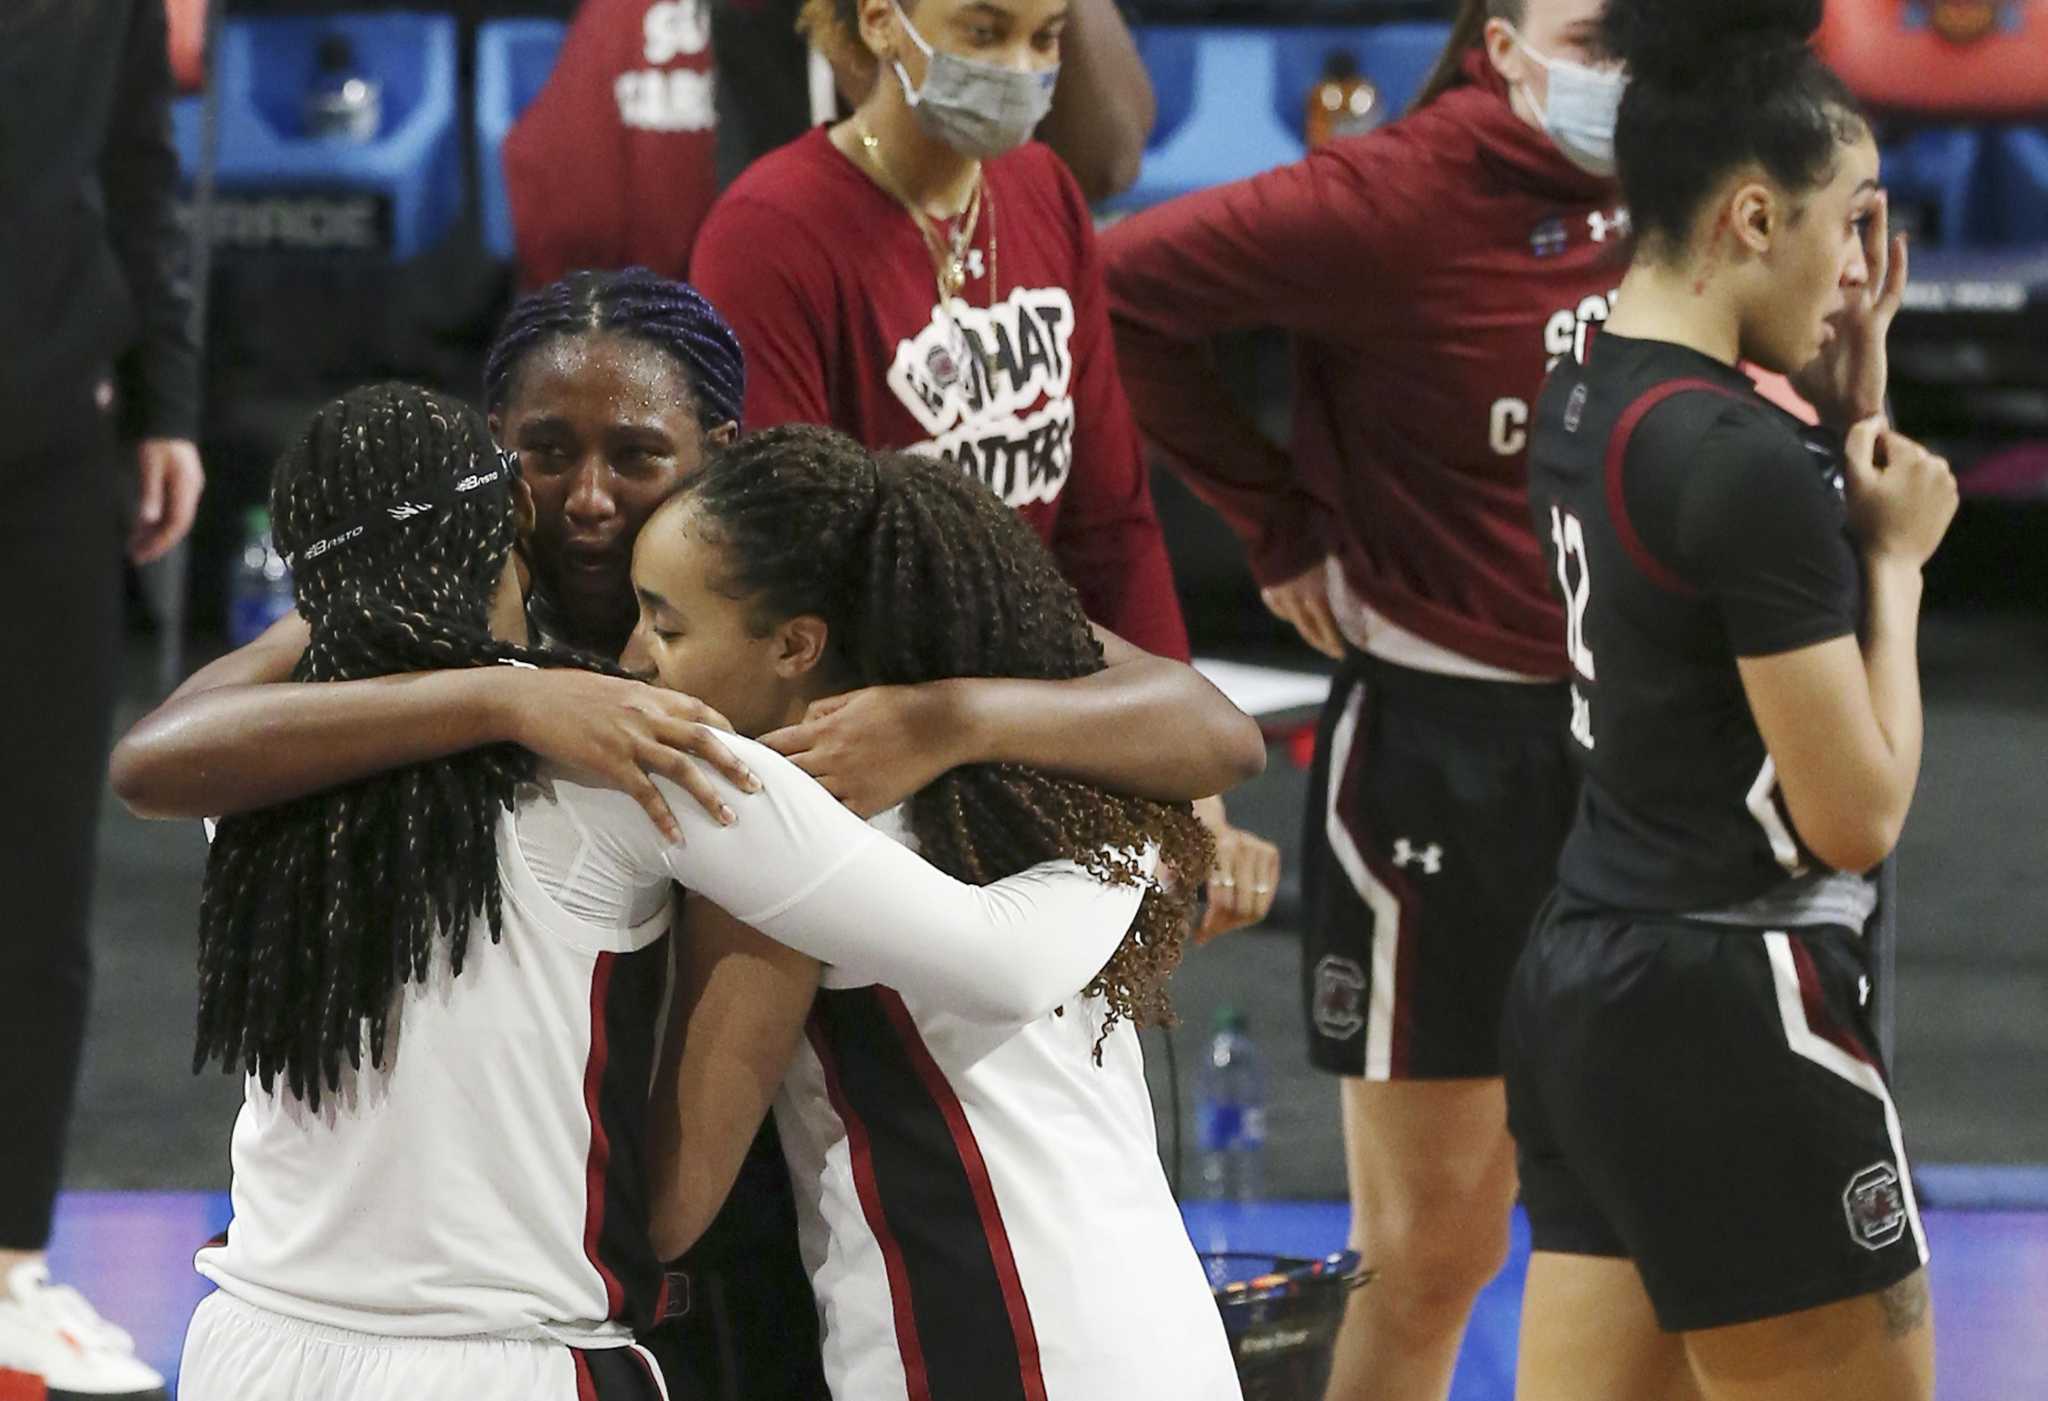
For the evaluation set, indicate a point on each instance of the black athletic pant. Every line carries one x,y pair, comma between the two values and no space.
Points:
60,619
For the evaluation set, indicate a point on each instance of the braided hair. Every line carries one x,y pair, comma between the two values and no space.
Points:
672,317
921,573
393,508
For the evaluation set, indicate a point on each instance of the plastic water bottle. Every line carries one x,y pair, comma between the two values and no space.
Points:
260,587
1230,1113
343,104
1344,102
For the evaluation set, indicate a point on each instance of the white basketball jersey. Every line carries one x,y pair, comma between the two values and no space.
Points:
489,1178
982,1209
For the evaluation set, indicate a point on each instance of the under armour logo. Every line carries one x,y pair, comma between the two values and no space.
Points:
1431,857
1603,226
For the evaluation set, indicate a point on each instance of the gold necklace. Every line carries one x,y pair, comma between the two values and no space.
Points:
949,256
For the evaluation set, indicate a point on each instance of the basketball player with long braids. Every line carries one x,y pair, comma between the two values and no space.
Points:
983,1209
1718,1194
1428,274
924,276
443,983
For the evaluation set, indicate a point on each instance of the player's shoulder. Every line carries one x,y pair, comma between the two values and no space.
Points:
1037,166
1675,416
1572,414
604,808
783,784
788,800
592,810
1422,186
801,184
1727,465
1670,401
1416,160
1728,437
784,221
1035,177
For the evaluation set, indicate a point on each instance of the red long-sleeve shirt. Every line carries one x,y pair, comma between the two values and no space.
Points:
828,283
1430,271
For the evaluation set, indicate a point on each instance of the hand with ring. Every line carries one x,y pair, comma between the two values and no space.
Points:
1245,878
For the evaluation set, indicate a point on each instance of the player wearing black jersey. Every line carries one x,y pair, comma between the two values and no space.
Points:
1708,1150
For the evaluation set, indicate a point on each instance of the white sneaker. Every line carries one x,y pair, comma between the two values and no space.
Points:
49,1332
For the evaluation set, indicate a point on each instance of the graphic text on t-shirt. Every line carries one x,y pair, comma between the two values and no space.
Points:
991,384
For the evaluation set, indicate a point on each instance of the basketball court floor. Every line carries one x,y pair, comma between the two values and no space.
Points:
132,1253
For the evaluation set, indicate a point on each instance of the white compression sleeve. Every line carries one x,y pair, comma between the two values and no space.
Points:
808,873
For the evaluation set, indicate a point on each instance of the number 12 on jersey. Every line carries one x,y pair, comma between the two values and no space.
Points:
1570,538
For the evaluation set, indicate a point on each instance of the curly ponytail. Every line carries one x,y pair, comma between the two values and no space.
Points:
923,574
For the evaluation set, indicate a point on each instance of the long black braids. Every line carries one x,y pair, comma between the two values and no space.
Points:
921,573
394,508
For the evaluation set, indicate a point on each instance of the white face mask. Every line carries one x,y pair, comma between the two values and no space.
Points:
979,109
1583,108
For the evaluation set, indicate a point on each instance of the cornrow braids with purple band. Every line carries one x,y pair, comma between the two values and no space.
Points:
671,316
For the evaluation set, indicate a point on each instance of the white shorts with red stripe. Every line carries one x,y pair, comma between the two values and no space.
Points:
983,1212
235,1351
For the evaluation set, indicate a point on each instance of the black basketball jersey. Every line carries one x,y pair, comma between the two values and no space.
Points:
1687,522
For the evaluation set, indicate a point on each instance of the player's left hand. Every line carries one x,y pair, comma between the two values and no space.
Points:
1245,878
1846,382
871,749
169,480
1303,603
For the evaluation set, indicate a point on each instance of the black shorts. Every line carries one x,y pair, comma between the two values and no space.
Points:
751,1331
1436,812
1710,1104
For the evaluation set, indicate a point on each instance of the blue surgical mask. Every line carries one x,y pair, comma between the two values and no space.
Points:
979,109
1584,105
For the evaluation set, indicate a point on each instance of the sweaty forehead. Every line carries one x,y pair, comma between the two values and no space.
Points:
672,517
618,377
662,543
